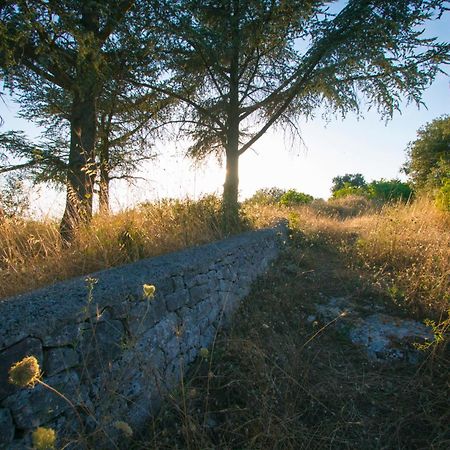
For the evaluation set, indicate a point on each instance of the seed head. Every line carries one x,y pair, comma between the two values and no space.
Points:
25,373
148,290
124,428
43,438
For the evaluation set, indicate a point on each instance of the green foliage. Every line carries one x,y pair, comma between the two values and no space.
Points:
349,190
442,198
267,196
389,190
341,181
381,190
14,197
429,155
293,198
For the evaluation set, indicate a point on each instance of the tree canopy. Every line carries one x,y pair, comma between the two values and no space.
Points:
237,67
78,48
429,155
349,179
266,63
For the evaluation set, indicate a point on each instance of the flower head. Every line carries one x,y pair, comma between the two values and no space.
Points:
124,428
25,373
43,438
148,290
204,353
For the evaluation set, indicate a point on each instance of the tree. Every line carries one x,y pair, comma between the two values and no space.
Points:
265,62
389,190
125,118
429,155
76,46
355,180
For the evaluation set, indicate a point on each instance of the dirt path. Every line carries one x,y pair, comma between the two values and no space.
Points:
286,377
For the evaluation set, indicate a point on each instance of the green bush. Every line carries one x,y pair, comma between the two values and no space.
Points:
266,196
293,197
349,189
442,198
389,190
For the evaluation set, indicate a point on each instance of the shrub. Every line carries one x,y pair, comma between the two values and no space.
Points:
350,190
442,199
293,197
389,190
266,196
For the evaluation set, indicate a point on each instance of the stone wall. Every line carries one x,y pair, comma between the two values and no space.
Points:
110,350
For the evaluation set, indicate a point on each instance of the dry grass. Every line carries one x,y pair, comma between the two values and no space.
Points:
31,255
277,381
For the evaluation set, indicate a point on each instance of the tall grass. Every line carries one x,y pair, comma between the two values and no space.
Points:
31,254
282,378
407,248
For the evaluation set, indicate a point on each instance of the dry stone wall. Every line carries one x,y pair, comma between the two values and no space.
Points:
110,350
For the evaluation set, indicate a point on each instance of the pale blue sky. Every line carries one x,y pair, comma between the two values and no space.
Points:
368,146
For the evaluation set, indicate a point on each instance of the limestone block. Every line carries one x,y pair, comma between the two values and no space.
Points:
32,407
6,428
178,299
199,293
177,283
67,335
101,344
145,314
60,359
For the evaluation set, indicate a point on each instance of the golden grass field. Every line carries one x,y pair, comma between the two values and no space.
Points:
273,380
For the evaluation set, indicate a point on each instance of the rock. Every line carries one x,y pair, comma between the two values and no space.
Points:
60,359
390,338
6,428
32,407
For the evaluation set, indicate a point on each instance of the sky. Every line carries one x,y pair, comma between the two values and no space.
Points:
367,145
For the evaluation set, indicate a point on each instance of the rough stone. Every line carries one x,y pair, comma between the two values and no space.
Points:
101,344
6,428
67,335
13,354
32,407
388,338
199,293
60,359
177,299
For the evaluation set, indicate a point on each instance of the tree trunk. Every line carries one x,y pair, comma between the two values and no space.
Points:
81,167
230,205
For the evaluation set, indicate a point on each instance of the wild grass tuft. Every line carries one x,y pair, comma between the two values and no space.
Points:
31,254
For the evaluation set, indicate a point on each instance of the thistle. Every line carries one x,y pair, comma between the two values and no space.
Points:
25,373
43,438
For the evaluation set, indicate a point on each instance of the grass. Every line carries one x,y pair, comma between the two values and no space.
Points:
276,379
31,254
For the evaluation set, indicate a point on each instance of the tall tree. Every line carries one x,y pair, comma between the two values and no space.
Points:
76,46
429,155
269,62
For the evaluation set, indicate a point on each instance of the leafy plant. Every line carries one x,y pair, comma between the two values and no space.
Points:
293,198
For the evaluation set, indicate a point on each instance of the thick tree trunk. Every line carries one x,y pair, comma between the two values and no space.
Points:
230,203
231,185
81,167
